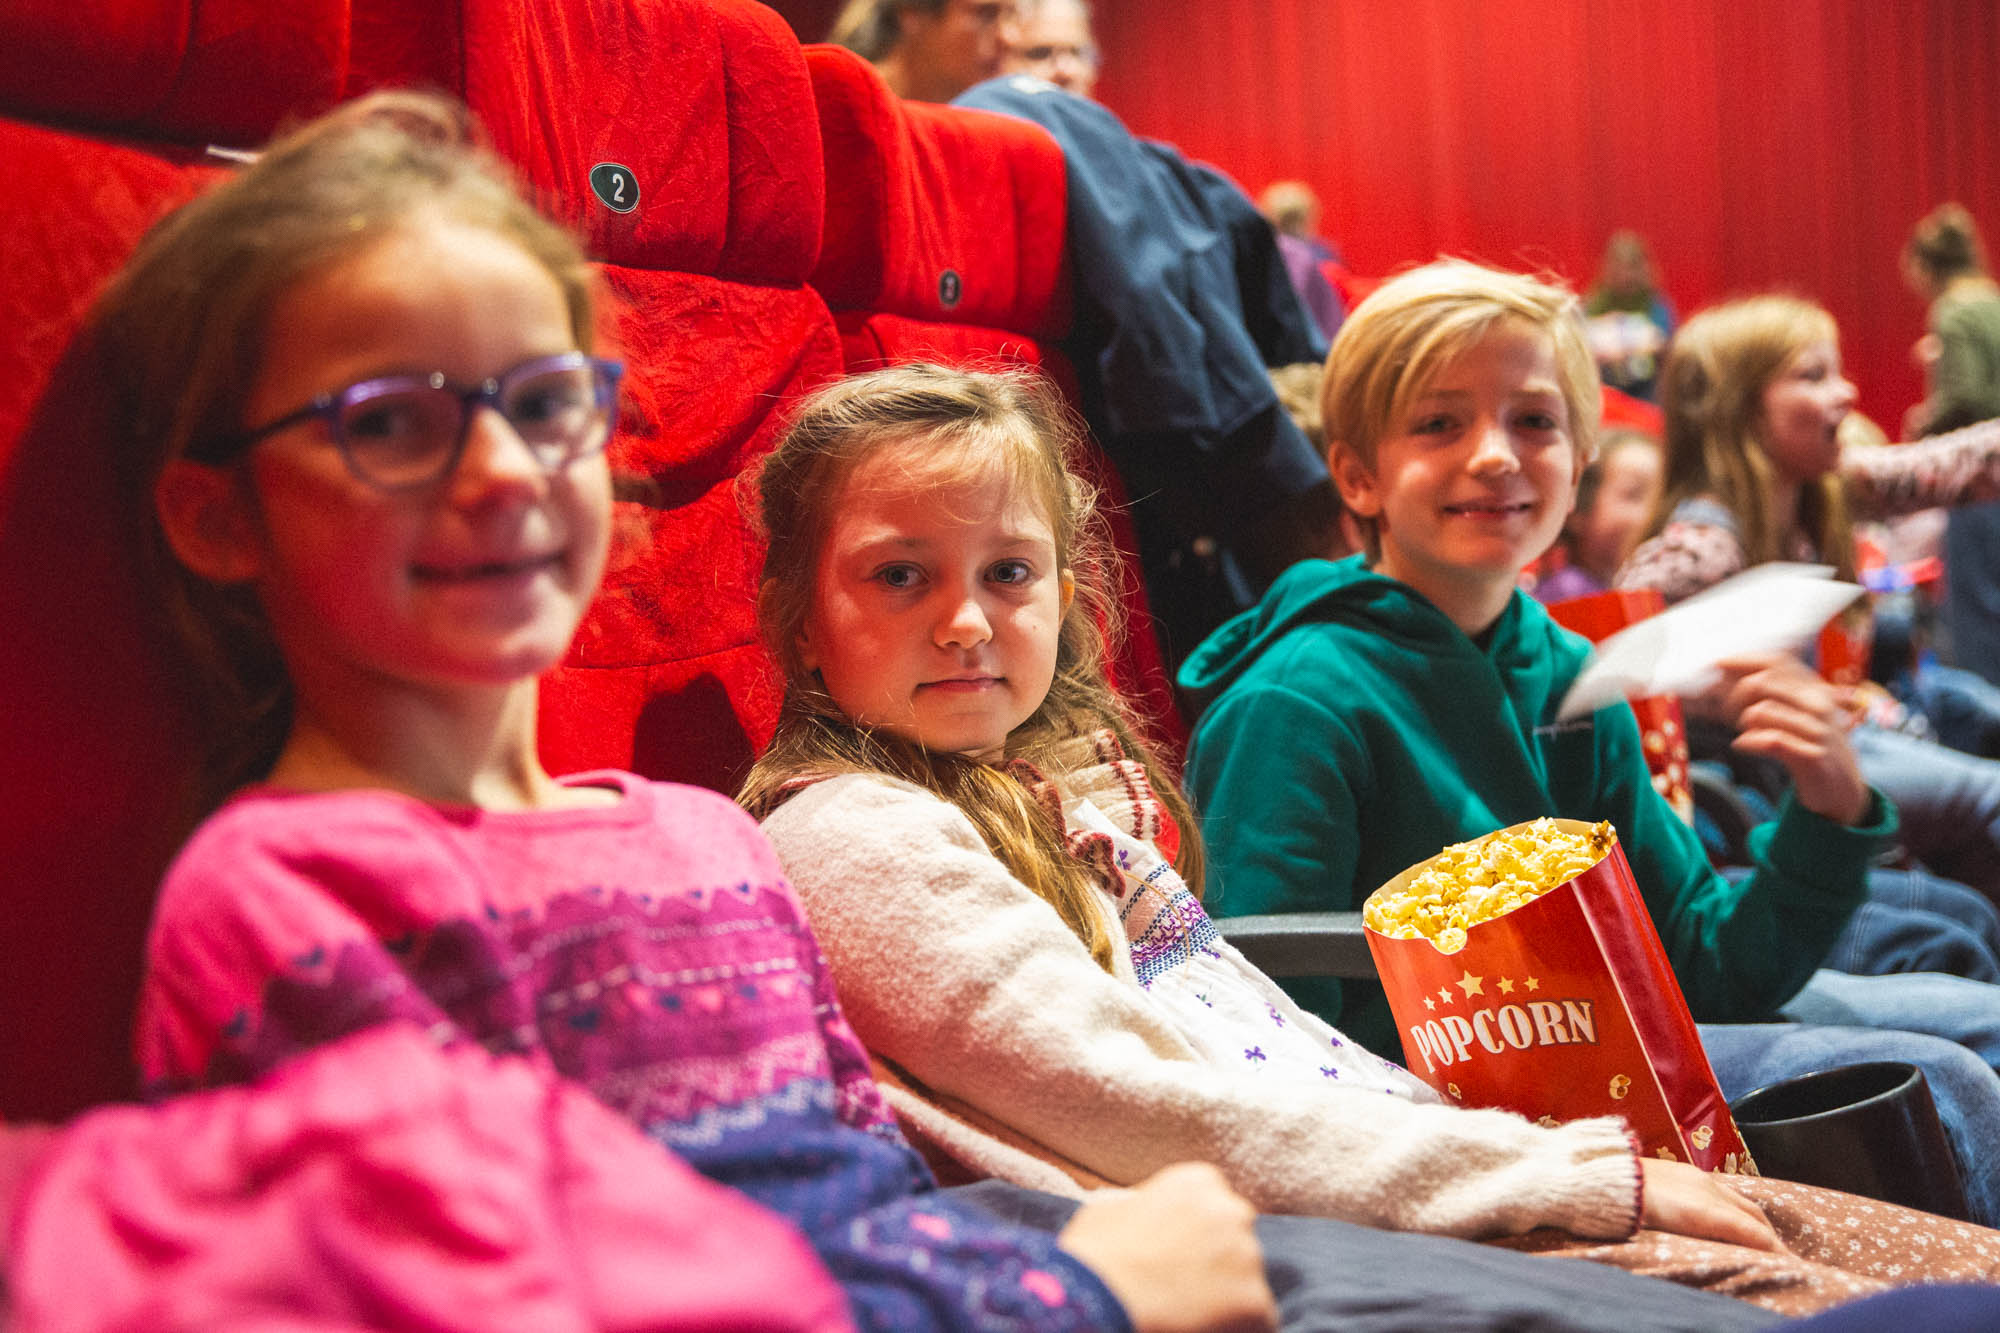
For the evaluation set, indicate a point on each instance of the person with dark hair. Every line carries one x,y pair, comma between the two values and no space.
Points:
927,50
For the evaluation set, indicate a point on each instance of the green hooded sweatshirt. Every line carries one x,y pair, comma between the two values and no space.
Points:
1356,731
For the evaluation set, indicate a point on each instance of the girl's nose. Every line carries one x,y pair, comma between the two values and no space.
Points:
496,459
1493,449
964,625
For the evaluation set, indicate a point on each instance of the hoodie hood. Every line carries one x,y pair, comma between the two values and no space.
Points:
1319,590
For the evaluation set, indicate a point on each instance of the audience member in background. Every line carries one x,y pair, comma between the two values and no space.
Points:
1613,501
1293,210
1298,393
927,50
1754,400
1630,318
1945,264
1052,40
1373,710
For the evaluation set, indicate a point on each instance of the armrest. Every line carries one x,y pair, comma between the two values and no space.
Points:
1303,944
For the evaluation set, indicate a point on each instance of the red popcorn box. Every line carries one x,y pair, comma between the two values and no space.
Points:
1559,1009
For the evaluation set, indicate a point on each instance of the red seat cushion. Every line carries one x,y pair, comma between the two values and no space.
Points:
937,213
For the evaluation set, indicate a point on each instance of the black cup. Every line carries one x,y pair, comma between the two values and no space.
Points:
1868,1129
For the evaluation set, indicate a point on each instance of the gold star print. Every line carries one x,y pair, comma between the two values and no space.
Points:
1444,993
1471,985
1534,984
1429,1003
1506,985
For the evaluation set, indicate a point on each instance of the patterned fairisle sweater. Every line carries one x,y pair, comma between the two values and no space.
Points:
960,976
1700,545
650,950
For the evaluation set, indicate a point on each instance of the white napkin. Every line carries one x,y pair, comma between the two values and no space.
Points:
1775,608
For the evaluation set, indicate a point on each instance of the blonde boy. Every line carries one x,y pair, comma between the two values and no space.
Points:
1370,711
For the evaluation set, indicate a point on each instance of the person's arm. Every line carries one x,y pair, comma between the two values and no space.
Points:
1960,467
1739,951
950,967
1682,559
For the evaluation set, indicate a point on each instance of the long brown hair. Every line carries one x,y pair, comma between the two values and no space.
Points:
1712,390
179,334
967,421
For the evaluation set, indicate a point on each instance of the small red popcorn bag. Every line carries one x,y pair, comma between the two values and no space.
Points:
1561,1005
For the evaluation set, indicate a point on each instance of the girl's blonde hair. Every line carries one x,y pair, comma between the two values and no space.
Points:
1419,322
967,422
1712,391
179,332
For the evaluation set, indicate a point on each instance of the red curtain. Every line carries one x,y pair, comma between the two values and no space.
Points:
1756,144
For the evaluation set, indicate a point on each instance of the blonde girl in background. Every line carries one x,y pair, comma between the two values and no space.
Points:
1755,401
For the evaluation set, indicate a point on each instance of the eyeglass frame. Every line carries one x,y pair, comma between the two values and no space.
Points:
329,407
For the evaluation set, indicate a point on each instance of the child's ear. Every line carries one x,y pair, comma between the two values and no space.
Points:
1353,479
1068,590
207,521
767,597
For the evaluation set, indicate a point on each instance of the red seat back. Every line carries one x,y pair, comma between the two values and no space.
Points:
96,745
945,241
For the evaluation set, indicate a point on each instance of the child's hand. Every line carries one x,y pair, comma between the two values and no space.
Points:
1681,1198
1178,1251
1785,712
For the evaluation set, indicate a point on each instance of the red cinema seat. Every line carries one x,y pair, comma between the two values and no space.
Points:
105,112
697,118
945,241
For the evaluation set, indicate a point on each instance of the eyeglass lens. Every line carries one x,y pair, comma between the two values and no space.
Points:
406,434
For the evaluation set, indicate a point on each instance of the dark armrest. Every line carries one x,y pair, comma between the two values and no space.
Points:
1303,944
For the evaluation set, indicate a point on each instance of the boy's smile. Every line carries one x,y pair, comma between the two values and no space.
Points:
1476,480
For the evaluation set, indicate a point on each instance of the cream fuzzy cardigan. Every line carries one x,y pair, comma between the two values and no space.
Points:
954,971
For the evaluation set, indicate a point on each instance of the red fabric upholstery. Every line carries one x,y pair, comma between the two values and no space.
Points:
91,741
708,105
705,101
935,213
1622,410
226,71
667,676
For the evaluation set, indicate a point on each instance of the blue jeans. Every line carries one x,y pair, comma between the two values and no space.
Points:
1948,802
1946,1026
1915,922
1962,708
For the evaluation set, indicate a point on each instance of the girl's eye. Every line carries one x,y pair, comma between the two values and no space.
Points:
1435,424
897,577
1540,421
1012,571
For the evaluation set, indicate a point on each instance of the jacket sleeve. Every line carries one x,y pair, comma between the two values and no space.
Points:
1957,468
1738,950
956,971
